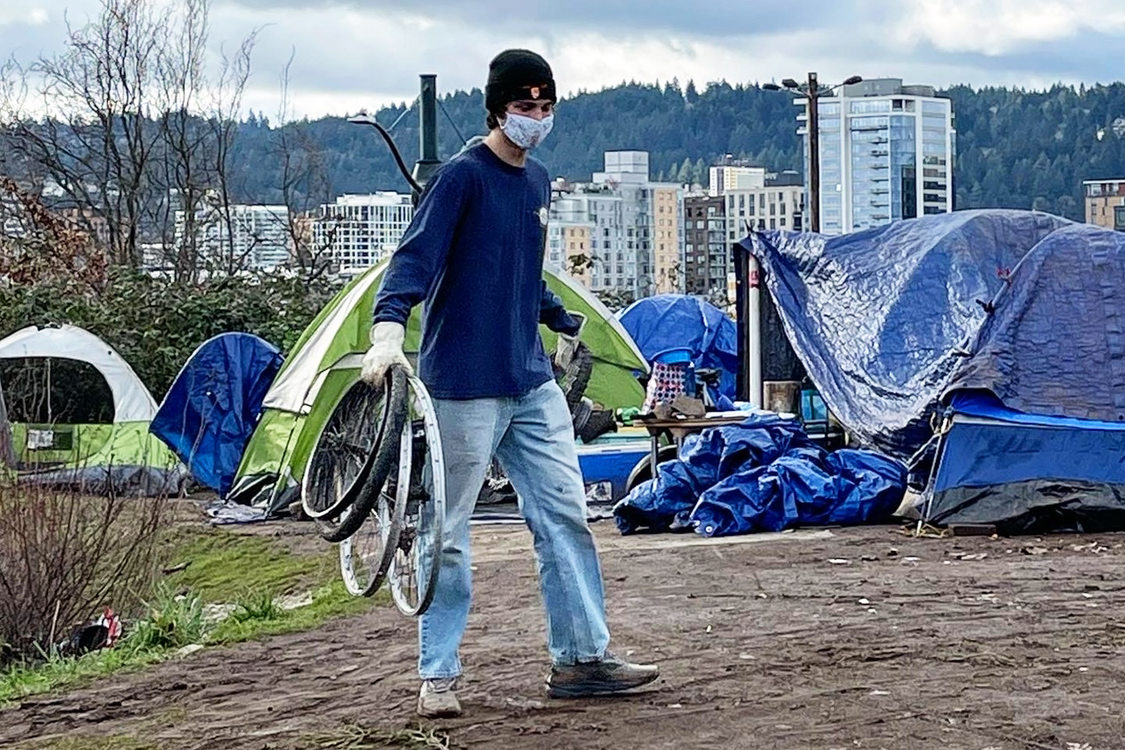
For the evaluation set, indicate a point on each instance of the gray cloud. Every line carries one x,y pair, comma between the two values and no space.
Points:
547,17
351,54
1088,57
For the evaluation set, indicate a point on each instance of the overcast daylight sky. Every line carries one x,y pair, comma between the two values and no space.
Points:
364,54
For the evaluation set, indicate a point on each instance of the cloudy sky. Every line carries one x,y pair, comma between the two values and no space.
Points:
364,53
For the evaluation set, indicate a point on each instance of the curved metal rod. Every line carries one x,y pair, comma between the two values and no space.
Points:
365,119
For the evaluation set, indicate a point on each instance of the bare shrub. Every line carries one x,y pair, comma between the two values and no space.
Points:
65,556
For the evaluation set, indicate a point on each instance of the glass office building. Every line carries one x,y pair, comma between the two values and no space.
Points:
886,153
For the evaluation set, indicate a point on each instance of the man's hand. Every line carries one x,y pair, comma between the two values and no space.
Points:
567,345
386,350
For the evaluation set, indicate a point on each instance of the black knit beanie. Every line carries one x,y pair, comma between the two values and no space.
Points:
517,74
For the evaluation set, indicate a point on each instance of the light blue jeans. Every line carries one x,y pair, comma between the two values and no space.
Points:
532,437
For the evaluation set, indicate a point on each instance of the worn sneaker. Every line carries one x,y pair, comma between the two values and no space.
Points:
437,699
603,677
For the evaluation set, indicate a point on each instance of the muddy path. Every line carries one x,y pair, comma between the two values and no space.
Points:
850,638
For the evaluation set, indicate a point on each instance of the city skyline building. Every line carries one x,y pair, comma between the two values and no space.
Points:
358,231
244,237
886,154
1105,203
625,228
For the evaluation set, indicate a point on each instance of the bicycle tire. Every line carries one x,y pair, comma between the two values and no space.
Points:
343,453
577,375
386,453
580,415
642,470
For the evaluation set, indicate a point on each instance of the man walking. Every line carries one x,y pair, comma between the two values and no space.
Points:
474,256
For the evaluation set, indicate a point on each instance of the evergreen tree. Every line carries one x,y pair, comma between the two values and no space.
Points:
690,94
699,173
1013,147
684,175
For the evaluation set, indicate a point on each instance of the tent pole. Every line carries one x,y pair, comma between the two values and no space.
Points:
754,332
946,424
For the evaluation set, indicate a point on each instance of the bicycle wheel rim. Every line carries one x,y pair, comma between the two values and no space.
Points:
366,555
386,452
414,570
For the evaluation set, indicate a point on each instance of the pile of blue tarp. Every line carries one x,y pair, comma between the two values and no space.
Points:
667,321
884,319
763,474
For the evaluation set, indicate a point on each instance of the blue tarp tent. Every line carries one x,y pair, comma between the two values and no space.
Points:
881,318
668,321
1027,472
1036,435
213,405
1011,323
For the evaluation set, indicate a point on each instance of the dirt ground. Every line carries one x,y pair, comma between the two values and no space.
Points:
849,638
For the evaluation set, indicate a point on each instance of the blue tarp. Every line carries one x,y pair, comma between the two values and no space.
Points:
1037,439
668,321
883,319
1013,318
1028,472
212,407
997,445
1055,341
763,474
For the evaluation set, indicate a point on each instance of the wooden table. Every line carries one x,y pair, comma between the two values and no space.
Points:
678,429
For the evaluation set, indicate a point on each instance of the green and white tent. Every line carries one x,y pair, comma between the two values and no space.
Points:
120,456
326,359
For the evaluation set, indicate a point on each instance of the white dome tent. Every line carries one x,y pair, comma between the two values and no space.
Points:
120,457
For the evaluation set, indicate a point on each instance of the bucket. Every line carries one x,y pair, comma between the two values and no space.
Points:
782,396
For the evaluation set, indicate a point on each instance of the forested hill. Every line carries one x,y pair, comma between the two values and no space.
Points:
1015,148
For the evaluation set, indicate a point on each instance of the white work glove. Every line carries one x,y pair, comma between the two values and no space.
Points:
386,350
566,345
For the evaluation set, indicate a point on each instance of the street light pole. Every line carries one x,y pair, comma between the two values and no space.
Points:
814,154
428,160
750,345
812,94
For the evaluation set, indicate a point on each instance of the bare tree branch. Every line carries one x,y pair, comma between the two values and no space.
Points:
130,131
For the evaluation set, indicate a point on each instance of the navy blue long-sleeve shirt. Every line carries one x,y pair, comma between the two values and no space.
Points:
474,255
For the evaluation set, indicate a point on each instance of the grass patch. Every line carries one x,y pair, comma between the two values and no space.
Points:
356,737
224,568
330,600
170,620
257,605
19,680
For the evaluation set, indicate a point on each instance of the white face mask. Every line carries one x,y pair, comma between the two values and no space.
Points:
526,132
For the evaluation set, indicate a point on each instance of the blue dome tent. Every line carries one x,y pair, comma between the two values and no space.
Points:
672,321
213,406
